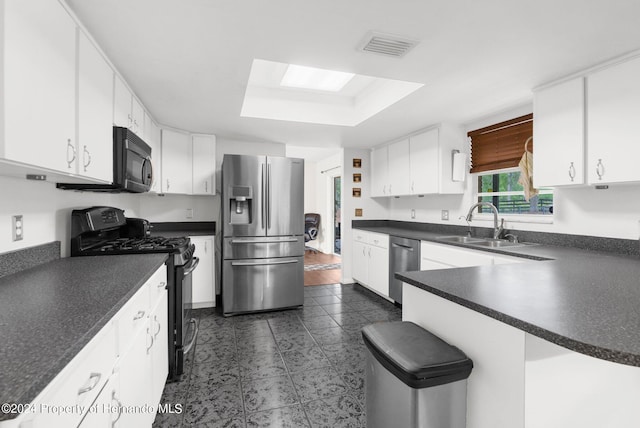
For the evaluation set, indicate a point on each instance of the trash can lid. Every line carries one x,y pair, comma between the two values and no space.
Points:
415,356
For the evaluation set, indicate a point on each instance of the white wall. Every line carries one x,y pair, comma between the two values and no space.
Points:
582,211
46,211
377,208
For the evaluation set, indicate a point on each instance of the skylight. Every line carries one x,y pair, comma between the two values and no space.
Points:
298,76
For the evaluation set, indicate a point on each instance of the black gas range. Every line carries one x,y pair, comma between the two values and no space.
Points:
103,231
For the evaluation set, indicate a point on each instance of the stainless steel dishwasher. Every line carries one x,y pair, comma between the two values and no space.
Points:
404,255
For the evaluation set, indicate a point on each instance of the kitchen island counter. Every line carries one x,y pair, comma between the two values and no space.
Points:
50,312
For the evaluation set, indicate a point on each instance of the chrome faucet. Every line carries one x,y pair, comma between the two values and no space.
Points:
497,230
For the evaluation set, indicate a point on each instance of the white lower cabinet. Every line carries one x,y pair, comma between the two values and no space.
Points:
204,295
370,260
117,379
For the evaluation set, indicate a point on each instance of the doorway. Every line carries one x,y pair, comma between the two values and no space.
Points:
337,215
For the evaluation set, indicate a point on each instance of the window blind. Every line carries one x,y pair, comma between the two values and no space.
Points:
501,145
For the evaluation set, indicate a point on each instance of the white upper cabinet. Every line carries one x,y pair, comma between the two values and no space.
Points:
176,162
421,164
95,103
38,77
613,106
204,164
379,172
558,132
424,158
127,111
399,179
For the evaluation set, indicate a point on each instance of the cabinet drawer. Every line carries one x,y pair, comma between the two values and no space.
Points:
132,318
79,383
157,285
378,239
360,236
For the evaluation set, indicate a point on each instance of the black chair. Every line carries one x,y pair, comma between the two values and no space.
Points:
311,228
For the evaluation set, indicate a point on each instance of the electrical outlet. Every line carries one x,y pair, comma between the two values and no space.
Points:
18,228
445,214
189,212
413,213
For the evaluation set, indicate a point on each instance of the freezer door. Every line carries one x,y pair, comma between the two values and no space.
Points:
262,284
285,196
244,177
261,247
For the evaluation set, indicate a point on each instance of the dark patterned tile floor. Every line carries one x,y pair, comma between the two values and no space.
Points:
295,368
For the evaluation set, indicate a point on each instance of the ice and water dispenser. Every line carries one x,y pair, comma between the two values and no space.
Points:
240,201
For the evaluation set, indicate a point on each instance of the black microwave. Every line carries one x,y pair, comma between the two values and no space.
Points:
132,167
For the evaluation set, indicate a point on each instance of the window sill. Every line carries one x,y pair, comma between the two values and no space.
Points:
517,218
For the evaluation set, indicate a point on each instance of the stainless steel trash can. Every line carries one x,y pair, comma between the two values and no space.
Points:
413,378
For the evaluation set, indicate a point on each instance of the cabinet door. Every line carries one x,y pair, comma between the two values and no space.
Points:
428,264
134,372
203,276
379,269
39,84
121,104
104,410
95,105
423,156
204,164
379,172
399,179
137,115
159,354
176,162
613,105
360,262
453,256
558,132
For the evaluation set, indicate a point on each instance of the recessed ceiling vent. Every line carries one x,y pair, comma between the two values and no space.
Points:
387,44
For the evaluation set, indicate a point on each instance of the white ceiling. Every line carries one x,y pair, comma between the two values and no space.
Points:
189,61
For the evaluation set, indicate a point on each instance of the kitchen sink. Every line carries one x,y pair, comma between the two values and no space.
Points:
459,239
482,242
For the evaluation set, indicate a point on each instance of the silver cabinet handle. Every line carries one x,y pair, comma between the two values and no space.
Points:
167,184
73,153
206,187
600,169
205,247
94,379
119,406
139,315
130,118
162,284
384,189
155,319
363,253
151,337
389,188
572,171
263,262
85,155
369,252
412,186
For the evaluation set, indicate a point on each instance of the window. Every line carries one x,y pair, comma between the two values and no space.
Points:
496,151
502,189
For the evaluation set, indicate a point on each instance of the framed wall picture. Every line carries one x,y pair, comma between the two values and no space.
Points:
357,192
358,212
357,163
357,177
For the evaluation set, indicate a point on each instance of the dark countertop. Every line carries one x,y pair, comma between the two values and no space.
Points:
582,300
50,312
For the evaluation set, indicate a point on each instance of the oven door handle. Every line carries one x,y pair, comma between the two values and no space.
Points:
192,266
189,345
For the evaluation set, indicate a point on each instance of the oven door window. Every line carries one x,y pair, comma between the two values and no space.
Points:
139,169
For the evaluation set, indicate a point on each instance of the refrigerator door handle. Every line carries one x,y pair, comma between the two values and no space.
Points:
263,262
268,196
262,241
262,208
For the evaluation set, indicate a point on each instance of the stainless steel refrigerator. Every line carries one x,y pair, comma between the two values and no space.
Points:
262,216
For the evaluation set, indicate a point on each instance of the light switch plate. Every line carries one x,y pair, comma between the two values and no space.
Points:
17,228
445,214
413,213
